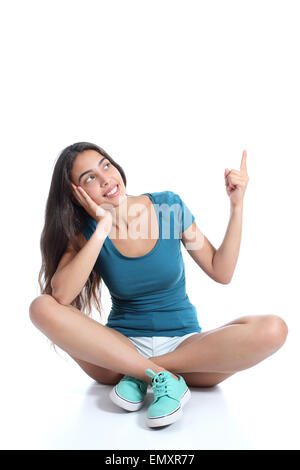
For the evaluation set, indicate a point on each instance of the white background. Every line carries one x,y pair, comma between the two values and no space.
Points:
174,91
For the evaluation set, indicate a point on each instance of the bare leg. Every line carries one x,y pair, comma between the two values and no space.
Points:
210,357
100,374
87,340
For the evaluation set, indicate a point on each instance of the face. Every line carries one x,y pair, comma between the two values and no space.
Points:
97,176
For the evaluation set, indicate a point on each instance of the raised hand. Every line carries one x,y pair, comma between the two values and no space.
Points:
236,182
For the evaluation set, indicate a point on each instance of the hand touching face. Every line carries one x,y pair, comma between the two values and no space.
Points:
97,176
102,216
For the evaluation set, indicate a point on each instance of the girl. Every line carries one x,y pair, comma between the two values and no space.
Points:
93,230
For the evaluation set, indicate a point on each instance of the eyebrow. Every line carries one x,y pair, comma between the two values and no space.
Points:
89,171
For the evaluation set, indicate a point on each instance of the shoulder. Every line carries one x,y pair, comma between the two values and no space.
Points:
168,197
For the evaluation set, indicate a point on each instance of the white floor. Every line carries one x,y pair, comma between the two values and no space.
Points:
48,402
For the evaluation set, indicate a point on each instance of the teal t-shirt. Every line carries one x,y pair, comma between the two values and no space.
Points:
148,292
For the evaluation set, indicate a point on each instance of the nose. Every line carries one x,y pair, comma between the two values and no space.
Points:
104,181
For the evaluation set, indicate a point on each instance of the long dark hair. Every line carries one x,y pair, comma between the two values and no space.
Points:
64,218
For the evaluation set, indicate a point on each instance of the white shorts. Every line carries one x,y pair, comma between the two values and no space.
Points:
150,346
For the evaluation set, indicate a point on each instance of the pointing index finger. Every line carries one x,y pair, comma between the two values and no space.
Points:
243,167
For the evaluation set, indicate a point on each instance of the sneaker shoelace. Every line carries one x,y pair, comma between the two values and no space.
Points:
162,385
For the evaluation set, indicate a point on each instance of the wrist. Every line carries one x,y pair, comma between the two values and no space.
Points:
101,230
236,209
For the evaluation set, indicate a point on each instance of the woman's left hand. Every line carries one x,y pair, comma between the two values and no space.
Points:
236,183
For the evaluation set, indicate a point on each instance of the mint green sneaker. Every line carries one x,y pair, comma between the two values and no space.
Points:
129,393
170,395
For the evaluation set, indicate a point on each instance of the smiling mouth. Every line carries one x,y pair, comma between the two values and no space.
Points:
114,192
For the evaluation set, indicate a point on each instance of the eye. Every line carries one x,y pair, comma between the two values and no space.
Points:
86,181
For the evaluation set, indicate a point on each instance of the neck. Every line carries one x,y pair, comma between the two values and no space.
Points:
120,214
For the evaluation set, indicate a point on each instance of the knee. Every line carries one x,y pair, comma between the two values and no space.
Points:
40,309
272,332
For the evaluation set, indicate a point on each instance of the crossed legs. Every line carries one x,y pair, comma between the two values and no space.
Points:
207,358
204,359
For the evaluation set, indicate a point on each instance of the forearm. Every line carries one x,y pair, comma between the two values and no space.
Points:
225,258
68,282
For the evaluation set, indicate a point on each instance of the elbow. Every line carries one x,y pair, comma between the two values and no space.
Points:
59,298
225,281
61,301
219,279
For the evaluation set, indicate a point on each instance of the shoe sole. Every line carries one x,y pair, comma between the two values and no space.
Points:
123,403
171,417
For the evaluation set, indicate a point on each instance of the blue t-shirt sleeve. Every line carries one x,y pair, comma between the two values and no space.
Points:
185,216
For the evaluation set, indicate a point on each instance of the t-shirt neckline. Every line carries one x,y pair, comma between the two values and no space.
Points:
154,249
